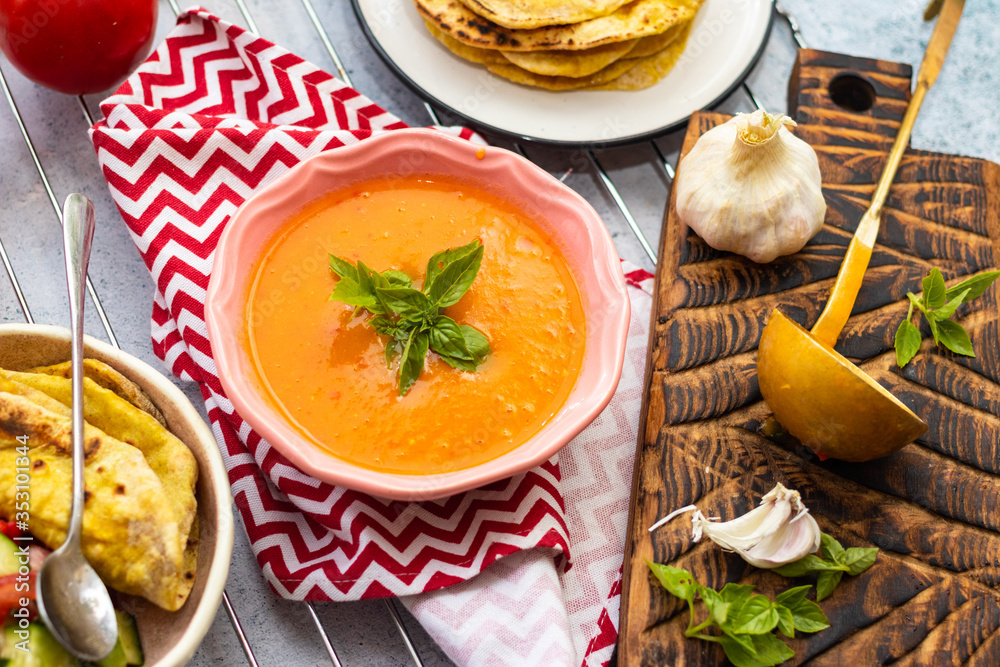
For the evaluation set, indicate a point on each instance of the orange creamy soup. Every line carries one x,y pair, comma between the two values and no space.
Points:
325,368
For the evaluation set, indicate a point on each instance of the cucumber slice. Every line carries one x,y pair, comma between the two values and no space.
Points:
128,636
43,649
115,659
9,561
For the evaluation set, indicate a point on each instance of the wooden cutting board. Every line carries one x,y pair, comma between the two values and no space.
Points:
933,596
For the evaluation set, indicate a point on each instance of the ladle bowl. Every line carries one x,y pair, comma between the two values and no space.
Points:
826,401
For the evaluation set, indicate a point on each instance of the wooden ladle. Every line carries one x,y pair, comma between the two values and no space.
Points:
817,394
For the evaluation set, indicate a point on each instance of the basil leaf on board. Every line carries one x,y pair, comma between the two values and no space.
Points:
934,289
808,617
948,309
954,337
807,565
976,285
477,344
908,340
717,607
455,279
757,617
408,303
343,268
412,363
440,260
448,339
677,581
786,621
829,547
826,584
767,651
858,559
397,278
792,596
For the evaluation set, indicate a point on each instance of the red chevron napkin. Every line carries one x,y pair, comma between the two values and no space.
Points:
216,112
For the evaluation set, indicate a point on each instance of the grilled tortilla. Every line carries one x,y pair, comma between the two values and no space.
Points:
536,13
168,457
651,69
130,534
640,18
109,378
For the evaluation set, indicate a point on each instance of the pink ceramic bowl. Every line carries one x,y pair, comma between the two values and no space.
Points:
565,216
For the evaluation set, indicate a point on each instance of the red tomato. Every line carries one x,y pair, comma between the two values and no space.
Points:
10,529
11,593
77,46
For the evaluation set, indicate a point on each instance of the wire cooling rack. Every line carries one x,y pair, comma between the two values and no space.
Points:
590,154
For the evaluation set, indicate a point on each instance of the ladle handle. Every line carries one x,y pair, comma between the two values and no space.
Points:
845,290
78,236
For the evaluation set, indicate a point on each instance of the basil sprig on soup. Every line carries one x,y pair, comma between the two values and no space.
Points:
411,318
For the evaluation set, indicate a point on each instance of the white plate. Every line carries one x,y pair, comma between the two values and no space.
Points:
725,41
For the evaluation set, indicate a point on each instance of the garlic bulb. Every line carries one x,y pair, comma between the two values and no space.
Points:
778,531
751,187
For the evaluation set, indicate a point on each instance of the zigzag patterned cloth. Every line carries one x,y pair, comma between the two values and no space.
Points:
216,112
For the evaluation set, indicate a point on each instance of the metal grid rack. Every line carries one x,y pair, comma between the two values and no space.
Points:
591,155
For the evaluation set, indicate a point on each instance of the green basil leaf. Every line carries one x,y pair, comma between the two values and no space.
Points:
916,301
407,302
767,651
908,341
934,289
808,617
858,559
412,363
455,279
954,337
384,326
826,584
460,364
786,621
368,281
448,339
830,547
477,344
807,565
792,596
948,309
736,595
397,278
677,581
757,617
717,607
343,268
440,260
975,285
348,291
391,352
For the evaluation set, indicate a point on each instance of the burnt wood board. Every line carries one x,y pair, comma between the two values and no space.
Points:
933,508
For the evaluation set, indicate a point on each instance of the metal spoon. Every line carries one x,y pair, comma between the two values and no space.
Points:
72,599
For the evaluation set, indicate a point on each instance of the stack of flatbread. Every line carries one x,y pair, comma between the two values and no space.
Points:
566,44
140,524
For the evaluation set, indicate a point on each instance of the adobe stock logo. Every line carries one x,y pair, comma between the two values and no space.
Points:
20,34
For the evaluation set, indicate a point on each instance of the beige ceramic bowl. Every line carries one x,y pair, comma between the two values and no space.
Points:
168,638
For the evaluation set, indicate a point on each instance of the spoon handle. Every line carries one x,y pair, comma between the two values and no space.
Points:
845,290
78,236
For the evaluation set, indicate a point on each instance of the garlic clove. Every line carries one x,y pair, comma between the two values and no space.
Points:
778,531
793,541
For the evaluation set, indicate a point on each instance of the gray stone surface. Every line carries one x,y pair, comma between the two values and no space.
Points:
960,116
